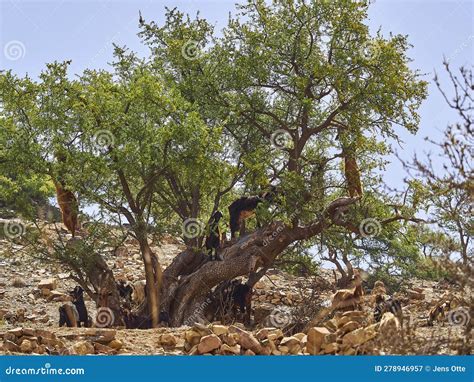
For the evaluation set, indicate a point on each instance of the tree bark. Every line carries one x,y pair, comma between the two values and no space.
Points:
192,276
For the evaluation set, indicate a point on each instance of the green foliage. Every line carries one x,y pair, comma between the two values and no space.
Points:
205,119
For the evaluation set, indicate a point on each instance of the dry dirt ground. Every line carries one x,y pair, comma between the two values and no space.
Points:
23,304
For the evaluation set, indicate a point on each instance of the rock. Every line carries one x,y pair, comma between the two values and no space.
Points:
329,338
249,352
415,295
209,343
301,337
168,340
331,348
18,282
102,349
355,315
360,336
82,348
246,339
315,339
283,349
289,341
101,335
331,325
10,337
192,337
47,284
226,349
389,324
27,346
219,329
11,346
271,333
56,295
349,327
17,332
230,339
115,344
203,330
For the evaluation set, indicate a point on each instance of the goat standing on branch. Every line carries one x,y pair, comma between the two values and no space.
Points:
244,208
213,240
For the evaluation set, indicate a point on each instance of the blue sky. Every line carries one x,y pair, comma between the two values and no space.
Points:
35,32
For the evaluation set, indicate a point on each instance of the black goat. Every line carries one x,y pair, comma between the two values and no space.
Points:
391,305
233,298
77,295
244,208
125,292
213,240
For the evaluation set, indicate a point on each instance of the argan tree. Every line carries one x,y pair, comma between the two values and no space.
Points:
283,97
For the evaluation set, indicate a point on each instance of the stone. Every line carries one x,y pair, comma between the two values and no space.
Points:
389,324
102,349
17,332
301,337
56,295
246,339
192,337
49,283
82,348
226,349
230,339
331,348
115,344
349,327
27,346
289,341
219,329
249,352
415,295
11,346
315,339
360,336
331,325
10,337
208,344
203,330
168,340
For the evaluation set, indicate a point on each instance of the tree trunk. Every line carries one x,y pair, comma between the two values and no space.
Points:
153,276
191,276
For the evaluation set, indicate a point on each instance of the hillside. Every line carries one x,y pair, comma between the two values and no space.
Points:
283,306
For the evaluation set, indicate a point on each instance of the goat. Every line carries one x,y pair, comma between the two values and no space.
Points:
234,298
213,240
68,315
438,312
392,305
77,295
68,205
352,174
348,298
379,288
244,208
125,292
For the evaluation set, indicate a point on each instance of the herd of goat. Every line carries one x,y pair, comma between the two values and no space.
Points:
234,298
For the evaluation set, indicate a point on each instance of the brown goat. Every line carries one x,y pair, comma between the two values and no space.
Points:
69,207
348,298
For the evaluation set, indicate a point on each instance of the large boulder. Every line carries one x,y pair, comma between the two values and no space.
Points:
316,337
209,343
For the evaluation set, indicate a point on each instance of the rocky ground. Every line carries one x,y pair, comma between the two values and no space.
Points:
31,293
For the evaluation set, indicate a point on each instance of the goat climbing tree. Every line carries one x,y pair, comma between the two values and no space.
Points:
166,141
